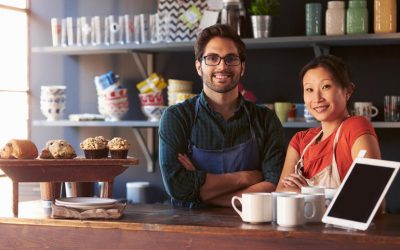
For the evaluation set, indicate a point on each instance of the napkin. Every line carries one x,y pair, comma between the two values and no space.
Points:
114,212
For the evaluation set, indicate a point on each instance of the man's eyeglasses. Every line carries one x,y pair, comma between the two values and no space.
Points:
214,60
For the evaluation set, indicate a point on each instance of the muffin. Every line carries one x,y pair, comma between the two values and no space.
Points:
95,148
118,147
58,149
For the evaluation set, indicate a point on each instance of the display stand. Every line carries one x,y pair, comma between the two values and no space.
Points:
64,170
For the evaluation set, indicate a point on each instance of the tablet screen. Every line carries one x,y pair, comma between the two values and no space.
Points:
361,192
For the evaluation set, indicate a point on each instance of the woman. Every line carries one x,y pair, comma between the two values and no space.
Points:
322,156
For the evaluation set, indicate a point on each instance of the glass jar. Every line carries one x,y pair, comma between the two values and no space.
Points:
335,18
357,17
313,19
385,16
230,14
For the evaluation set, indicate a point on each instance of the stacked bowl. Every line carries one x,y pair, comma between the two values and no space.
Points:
153,105
180,88
113,103
52,101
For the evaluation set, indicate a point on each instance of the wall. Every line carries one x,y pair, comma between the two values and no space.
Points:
271,74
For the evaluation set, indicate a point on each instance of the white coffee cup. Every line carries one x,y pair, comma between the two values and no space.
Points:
329,195
365,109
256,207
275,195
312,190
319,202
291,210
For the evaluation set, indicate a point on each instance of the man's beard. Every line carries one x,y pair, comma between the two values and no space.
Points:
208,81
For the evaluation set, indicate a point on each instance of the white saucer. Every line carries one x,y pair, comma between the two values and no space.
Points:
85,202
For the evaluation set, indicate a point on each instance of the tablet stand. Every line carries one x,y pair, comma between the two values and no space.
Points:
348,229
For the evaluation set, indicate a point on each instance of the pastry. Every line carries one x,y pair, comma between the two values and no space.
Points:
19,149
118,147
95,147
58,149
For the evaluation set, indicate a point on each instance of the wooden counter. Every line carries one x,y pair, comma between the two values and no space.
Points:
164,227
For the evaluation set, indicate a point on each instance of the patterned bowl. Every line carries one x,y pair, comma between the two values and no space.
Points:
153,113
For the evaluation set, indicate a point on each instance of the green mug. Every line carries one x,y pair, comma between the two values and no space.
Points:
282,110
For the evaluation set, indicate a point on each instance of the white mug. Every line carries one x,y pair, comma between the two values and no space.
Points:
319,202
329,195
365,109
256,207
291,210
275,195
312,190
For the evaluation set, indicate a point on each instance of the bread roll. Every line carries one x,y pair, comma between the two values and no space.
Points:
58,149
19,149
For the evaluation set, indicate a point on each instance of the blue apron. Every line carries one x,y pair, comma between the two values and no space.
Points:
241,157
244,156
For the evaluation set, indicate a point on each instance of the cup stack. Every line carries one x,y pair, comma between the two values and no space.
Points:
179,89
112,98
151,97
52,101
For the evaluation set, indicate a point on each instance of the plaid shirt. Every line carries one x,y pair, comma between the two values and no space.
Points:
213,133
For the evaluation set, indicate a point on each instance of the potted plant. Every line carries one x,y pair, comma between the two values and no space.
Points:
261,16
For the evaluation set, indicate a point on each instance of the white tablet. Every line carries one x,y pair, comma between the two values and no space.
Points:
361,193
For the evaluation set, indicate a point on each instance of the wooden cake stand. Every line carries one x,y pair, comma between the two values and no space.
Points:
64,170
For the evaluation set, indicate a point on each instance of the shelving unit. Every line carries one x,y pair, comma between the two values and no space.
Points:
263,43
319,44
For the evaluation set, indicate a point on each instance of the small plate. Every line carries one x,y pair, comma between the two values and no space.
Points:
91,202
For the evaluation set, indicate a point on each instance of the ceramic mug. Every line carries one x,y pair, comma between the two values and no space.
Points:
312,190
282,110
256,207
291,210
329,195
365,109
275,196
319,200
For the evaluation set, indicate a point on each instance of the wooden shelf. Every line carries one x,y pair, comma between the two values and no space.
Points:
263,43
147,124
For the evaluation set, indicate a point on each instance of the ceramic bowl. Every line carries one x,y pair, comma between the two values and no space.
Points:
111,94
53,89
153,113
53,112
153,98
114,113
175,85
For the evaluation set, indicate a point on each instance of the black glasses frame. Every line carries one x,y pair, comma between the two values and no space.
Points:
223,58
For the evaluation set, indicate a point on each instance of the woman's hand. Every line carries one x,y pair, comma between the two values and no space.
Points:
186,162
294,181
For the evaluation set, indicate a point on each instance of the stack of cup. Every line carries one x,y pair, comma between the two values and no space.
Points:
152,105
112,99
180,88
52,101
113,103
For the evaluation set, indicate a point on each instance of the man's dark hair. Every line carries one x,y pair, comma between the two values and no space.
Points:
218,30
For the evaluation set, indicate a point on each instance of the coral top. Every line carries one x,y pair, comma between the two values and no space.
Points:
319,155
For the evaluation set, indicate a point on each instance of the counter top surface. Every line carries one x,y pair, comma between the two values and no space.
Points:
165,227
160,217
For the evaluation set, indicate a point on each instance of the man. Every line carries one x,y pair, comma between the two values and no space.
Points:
218,145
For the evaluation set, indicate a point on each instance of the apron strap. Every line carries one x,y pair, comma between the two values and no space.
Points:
196,110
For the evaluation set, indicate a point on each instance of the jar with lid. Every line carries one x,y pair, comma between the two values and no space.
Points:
357,17
335,18
385,16
230,14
